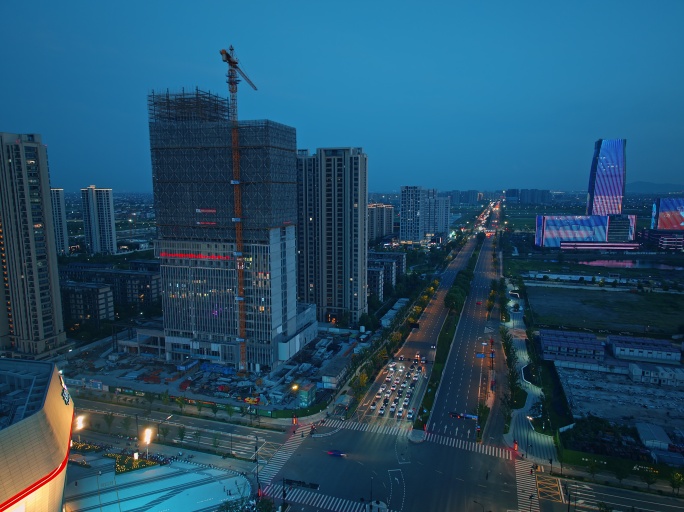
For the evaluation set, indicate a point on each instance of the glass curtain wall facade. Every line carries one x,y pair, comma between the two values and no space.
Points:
607,177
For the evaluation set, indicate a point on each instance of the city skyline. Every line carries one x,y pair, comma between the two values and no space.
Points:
471,95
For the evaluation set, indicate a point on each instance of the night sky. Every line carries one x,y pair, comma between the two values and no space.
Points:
447,95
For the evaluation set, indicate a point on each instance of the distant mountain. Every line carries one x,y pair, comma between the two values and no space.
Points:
646,187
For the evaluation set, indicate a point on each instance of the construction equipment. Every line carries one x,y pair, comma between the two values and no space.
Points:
233,80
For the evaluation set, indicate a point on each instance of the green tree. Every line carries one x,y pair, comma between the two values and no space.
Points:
150,398
214,409
229,411
676,479
199,406
265,505
621,471
109,419
181,434
593,467
164,431
604,507
165,397
649,477
197,434
126,424
215,441
180,401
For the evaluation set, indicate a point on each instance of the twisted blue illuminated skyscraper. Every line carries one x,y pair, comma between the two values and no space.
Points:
607,178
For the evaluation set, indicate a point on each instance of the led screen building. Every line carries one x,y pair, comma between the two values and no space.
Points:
36,414
552,229
607,177
668,214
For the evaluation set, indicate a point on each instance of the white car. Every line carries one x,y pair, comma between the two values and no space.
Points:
381,411
400,412
393,408
372,406
406,401
409,415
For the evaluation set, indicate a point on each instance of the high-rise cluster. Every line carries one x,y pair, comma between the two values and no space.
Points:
424,214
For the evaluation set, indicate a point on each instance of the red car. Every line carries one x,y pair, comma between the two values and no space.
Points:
479,303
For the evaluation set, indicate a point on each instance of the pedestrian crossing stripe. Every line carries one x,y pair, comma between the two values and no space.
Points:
494,451
526,484
283,454
370,427
314,499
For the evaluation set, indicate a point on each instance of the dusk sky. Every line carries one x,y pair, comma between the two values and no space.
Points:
447,95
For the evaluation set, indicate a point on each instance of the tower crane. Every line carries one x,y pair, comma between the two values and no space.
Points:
233,80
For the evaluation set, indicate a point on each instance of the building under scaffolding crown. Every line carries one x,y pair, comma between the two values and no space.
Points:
198,247
192,169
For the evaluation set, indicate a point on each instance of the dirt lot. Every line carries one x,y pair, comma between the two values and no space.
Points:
617,398
603,309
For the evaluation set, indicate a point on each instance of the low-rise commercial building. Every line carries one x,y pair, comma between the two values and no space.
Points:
574,346
36,415
644,349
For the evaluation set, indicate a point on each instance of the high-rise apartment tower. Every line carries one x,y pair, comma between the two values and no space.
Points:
411,216
331,232
31,316
98,220
190,140
59,219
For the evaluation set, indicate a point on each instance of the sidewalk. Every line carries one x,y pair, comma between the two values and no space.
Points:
537,447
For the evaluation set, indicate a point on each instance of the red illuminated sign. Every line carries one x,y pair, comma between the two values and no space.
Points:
193,256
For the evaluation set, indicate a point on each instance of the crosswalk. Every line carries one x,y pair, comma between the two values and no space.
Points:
279,459
453,442
526,481
314,499
370,427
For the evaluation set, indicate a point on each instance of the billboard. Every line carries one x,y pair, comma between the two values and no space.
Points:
552,229
668,213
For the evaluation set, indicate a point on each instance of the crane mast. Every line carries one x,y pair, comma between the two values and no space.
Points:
233,80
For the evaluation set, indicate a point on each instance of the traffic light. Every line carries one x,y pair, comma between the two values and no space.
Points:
294,419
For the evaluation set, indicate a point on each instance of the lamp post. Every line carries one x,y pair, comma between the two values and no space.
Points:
475,501
79,426
531,498
161,423
256,461
148,436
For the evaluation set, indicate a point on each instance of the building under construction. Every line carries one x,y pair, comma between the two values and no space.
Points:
205,273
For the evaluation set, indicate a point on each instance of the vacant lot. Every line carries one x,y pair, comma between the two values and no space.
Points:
605,309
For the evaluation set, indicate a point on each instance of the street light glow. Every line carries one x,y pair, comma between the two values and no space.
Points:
79,422
148,435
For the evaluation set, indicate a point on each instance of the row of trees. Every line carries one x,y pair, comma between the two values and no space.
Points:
512,375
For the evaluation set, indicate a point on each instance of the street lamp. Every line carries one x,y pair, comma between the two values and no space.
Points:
79,425
295,387
256,461
161,423
531,498
148,436
475,501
